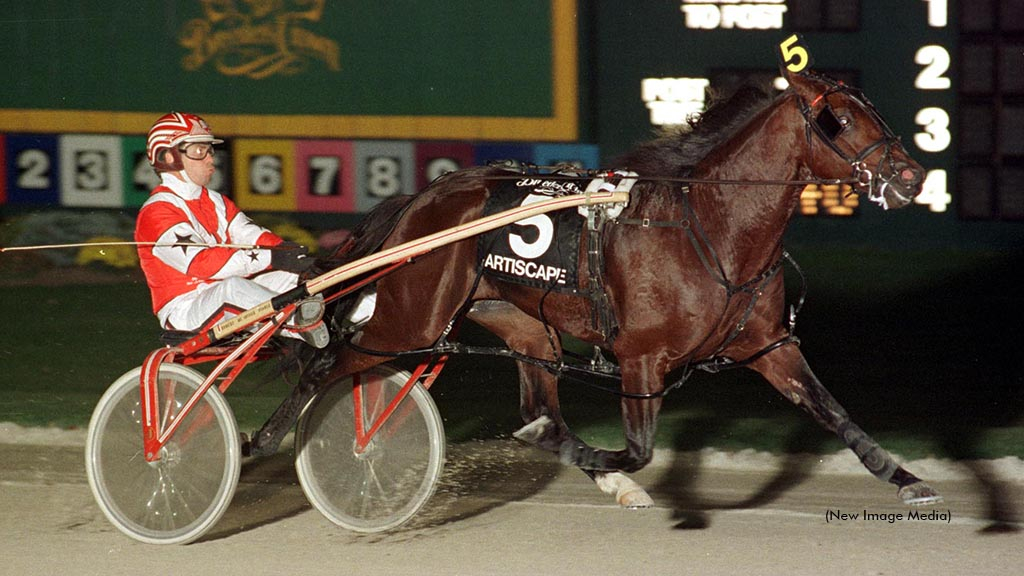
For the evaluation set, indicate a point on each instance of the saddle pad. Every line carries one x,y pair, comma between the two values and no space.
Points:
540,251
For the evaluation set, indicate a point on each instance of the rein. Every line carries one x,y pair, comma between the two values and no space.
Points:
609,175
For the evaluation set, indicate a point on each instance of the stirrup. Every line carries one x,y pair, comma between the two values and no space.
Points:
317,335
307,313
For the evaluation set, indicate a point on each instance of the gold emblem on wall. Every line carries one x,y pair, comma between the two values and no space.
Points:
257,38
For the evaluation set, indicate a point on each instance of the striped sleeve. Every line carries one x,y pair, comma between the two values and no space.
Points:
242,230
175,233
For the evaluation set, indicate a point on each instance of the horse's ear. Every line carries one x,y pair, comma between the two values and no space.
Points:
803,85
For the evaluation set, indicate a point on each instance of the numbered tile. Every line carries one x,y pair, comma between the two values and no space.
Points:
221,180
139,177
32,173
383,170
933,192
434,159
264,175
487,153
578,155
325,176
90,171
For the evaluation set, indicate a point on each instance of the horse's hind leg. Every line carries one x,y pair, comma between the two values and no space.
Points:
539,406
538,389
787,370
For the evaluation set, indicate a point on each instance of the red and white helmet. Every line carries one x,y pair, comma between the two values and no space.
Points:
172,130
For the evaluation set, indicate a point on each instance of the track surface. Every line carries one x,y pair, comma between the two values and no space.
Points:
506,509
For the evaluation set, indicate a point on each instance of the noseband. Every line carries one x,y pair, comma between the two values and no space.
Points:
863,176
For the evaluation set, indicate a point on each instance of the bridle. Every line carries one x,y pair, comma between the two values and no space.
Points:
828,127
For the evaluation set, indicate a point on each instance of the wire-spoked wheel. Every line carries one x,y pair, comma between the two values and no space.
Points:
383,486
180,496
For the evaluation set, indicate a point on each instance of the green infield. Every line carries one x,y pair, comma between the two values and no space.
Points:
921,348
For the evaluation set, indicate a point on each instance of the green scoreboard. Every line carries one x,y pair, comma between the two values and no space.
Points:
457,69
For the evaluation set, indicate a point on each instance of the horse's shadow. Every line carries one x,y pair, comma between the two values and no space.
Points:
677,485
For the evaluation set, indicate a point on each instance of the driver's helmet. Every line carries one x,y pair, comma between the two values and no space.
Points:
172,130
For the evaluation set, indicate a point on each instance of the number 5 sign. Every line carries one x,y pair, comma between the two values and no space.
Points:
543,232
793,54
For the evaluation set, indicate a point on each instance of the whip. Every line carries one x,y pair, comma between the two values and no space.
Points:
127,243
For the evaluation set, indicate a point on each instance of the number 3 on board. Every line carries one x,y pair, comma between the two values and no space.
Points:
794,54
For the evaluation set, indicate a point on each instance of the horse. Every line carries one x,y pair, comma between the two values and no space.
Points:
687,273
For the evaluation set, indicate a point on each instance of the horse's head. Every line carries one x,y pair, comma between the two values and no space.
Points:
846,134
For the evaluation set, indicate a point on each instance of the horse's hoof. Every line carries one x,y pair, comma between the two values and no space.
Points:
627,493
534,431
637,499
919,494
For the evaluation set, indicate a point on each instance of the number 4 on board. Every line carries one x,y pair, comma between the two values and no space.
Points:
933,192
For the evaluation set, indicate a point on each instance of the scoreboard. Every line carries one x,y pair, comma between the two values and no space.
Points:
658,61
382,96
324,106
260,174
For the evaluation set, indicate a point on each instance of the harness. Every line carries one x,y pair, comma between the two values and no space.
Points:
602,316
828,127
556,260
754,287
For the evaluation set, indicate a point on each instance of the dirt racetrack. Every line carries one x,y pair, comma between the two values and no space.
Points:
507,509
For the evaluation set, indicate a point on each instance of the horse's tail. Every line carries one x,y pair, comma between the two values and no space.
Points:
378,224
367,237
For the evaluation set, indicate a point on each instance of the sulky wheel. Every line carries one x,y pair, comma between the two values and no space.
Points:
387,483
177,498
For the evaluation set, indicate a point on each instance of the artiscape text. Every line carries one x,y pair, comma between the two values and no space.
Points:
525,269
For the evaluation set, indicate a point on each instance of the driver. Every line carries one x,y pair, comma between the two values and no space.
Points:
194,280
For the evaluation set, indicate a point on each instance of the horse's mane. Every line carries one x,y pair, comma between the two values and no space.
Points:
678,149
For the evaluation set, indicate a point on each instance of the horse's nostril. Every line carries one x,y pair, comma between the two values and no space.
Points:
908,176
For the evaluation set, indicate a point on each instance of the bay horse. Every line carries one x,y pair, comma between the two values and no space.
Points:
689,273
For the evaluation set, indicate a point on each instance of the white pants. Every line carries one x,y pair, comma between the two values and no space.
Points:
223,299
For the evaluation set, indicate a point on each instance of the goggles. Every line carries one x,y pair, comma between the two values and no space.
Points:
196,150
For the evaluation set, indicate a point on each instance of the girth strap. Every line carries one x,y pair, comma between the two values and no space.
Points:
698,238
713,264
602,317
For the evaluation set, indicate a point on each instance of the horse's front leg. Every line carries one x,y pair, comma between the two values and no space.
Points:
787,370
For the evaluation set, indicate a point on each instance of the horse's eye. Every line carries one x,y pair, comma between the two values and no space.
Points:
830,124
